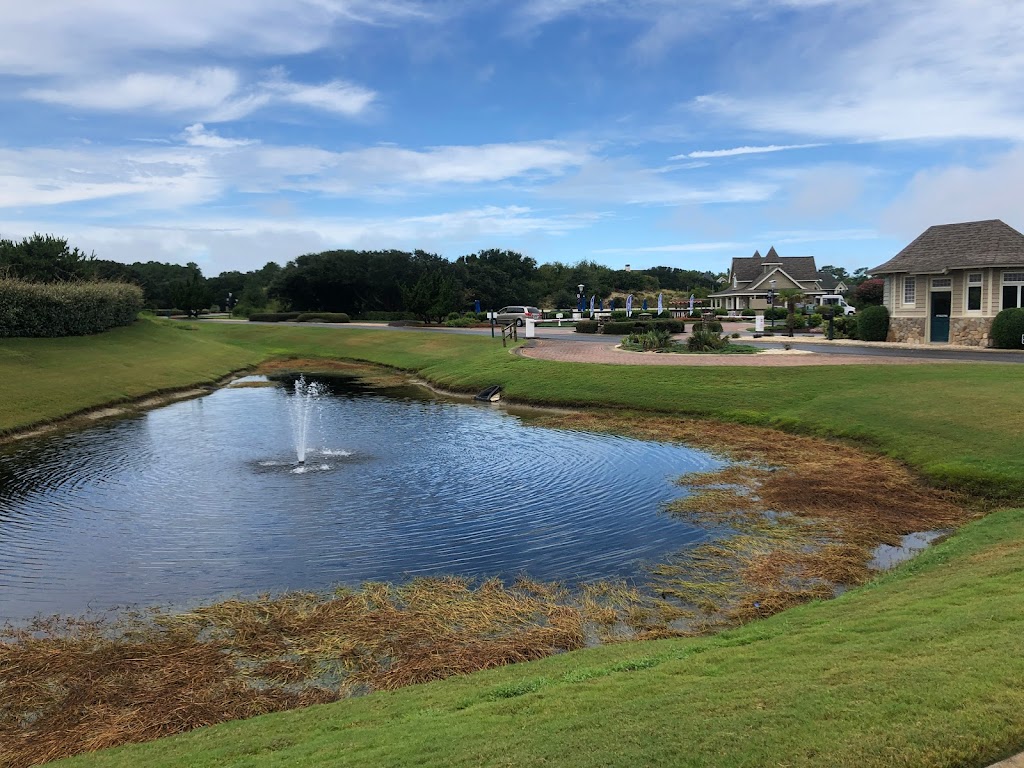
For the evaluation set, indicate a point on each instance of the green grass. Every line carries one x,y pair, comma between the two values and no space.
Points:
920,668
958,424
923,667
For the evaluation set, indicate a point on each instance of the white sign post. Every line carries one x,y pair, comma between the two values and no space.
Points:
759,323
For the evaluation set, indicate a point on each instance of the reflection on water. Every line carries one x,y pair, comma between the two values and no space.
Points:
200,499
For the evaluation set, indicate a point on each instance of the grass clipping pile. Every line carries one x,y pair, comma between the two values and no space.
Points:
72,686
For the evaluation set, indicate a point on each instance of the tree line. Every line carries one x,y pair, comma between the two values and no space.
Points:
358,282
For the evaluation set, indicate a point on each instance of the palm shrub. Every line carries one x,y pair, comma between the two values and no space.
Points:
705,339
873,323
66,309
655,338
1008,329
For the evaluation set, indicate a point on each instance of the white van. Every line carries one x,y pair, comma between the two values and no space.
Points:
838,304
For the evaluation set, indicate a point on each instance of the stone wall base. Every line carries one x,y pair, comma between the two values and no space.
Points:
966,331
970,331
909,330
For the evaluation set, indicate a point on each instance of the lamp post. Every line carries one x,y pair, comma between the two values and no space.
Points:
579,297
771,299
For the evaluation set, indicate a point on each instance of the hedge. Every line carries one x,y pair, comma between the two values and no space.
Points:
323,317
586,326
66,309
1008,329
617,328
273,317
873,324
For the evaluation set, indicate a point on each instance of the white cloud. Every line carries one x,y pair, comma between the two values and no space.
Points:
622,182
918,69
993,189
676,248
197,135
708,153
207,166
65,37
218,244
216,94
336,96
202,89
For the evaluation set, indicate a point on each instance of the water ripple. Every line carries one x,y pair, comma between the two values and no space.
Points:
205,497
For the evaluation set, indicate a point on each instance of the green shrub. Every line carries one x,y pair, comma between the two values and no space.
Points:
324,317
168,312
620,327
618,314
720,311
464,321
748,313
845,326
714,326
389,316
586,326
655,338
815,321
1008,329
66,309
703,339
779,313
273,317
873,323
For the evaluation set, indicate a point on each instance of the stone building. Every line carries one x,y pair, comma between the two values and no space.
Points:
948,285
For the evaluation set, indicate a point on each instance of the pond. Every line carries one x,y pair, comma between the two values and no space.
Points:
203,499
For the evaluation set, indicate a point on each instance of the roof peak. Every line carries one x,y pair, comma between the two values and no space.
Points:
772,254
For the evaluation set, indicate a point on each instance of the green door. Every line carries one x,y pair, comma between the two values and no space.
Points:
942,302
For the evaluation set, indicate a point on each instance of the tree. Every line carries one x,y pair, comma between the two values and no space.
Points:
191,294
791,297
869,293
432,296
42,259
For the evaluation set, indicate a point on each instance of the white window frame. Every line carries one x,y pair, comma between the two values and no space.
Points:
1015,279
910,291
974,280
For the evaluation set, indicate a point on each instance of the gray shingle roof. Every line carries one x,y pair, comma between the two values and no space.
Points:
990,243
752,267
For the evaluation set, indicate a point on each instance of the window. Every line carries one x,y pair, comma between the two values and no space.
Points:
942,282
1013,284
974,292
909,291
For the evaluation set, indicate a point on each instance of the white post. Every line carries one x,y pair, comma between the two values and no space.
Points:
531,328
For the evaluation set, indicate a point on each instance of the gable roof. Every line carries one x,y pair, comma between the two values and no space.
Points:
750,268
990,243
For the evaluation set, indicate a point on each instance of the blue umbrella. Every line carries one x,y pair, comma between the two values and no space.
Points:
644,305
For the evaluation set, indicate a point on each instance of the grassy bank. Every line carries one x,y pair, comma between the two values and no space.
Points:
921,668
958,424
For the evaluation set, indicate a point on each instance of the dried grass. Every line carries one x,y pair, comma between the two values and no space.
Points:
802,516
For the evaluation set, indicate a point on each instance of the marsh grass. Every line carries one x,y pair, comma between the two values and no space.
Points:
801,520
72,685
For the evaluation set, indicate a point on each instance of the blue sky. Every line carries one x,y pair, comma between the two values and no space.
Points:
236,132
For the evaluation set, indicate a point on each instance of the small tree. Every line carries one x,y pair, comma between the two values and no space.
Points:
869,293
791,297
191,294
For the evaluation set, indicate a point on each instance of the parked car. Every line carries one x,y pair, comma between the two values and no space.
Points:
518,315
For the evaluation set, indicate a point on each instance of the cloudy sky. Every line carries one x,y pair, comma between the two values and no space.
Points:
675,132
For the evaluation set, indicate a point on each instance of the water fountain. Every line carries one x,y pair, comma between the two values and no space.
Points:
302,405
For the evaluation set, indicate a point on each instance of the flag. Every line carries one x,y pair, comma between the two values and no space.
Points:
629,305
593,298
691,303
659,303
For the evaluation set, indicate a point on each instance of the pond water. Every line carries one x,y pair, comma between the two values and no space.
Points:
201,499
